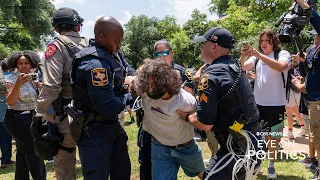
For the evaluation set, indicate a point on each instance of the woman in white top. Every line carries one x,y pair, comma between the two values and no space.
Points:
271,65
172,139
22,100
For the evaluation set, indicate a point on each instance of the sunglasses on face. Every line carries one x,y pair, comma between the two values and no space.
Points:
202,44
162,53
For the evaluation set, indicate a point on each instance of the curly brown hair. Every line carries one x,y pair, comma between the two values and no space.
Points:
32,56
165,78
273,36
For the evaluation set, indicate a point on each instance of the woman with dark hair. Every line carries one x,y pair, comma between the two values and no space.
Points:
172,139
22,100
271,65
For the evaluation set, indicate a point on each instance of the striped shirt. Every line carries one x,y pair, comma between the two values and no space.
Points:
27,99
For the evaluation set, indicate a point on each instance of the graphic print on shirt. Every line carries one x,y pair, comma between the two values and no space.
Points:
157,109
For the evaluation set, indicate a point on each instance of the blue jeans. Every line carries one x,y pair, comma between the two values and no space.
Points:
103,151
5,145
166,161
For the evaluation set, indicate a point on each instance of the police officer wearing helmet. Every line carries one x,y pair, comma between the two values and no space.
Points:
100,78
57,91
225,97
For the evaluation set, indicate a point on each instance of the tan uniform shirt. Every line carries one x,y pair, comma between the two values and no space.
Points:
56,70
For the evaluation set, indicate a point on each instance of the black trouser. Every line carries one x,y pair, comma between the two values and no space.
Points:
18,125
144,143
104,152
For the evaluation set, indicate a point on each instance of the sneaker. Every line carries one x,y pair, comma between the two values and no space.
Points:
132,119
50,160
6,165
289,135
313,165
296,124
280,147
306,160
272,173
302,132
316,174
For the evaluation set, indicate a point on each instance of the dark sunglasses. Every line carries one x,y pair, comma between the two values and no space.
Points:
164,53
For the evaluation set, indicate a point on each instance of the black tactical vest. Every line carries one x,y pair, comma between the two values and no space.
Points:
118,72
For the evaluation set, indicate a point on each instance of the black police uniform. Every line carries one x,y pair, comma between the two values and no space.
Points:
216,81
98,78
144,138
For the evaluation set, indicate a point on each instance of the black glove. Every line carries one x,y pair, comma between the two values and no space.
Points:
35,127
50,132
264,126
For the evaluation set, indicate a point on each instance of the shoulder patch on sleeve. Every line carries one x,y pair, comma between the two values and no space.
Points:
204,82
188,74
99,77
51,49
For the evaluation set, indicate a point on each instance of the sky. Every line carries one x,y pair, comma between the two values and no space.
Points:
123,10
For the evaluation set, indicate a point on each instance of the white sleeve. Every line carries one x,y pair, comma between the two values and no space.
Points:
285,56
251,61
188,102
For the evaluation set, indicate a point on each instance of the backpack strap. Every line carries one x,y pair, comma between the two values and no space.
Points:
211,68
276,57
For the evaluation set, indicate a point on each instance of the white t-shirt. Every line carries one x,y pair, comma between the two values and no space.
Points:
268,85
163,123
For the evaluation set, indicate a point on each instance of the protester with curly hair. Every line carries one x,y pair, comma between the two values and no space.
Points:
172,139
22,100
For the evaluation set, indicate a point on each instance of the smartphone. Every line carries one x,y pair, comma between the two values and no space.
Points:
245,45
34,76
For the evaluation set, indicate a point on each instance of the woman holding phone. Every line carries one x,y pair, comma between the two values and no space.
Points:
271,64
22,100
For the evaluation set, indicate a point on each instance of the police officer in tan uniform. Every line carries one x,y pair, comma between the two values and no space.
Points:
56,89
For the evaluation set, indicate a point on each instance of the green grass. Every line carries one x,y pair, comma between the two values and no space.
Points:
286,169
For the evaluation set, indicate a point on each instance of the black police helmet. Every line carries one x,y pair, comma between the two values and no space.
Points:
66,16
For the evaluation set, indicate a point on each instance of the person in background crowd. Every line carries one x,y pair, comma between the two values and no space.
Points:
172,139
5,137
271,65
310,161
293,101
22,100
311,86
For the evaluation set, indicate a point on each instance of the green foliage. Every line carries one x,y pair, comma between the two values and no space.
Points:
219,6
247,18
197,25
167,27
140,35
182,46
24,24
